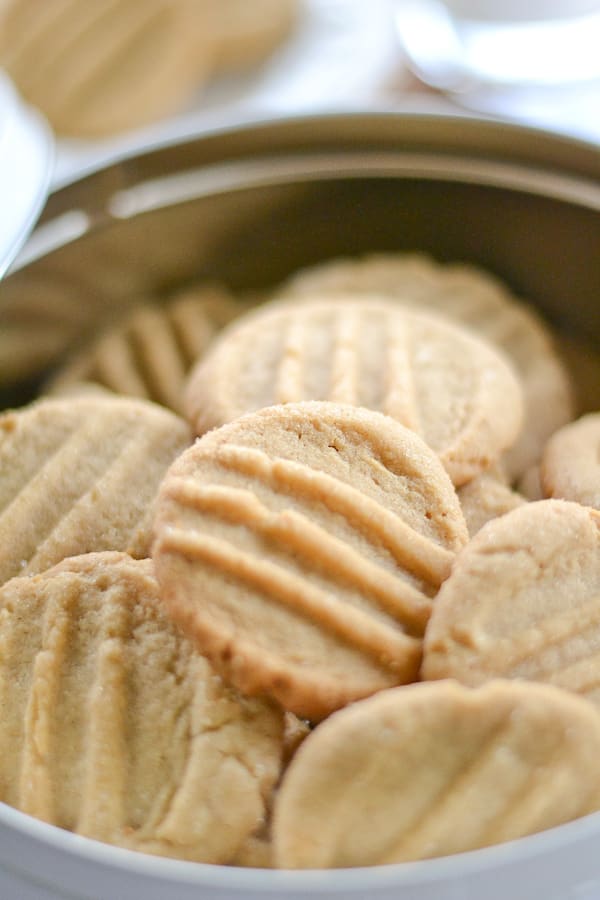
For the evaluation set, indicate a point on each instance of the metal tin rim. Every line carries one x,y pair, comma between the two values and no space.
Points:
26,160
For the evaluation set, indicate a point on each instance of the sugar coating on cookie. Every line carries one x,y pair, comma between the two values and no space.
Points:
474,297
80,474
149,354
113,726
523,601
435,769
302,545
570,466
436,378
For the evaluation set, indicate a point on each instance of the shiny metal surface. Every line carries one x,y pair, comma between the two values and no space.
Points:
26,157
248,205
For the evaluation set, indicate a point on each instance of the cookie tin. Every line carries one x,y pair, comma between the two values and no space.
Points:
26,160
247,205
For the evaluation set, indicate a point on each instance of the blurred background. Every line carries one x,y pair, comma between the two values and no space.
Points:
112,74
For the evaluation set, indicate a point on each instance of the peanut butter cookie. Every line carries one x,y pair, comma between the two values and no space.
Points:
80,474
570,466
301,546
523,601
102,67
436,378
150,354
434,769
474,297
114,727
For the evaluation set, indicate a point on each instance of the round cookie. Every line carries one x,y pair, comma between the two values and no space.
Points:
80,474
484,498
473,297
301,546
150,354
523,601
570,466
451,388
114,727
102,67
435,769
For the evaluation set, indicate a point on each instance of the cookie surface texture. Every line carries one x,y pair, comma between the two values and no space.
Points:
301,546
570,466
80,474
435,769
150,354
523,601
445,384
474,297
114,727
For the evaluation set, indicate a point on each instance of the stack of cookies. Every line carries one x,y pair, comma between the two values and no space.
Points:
273,594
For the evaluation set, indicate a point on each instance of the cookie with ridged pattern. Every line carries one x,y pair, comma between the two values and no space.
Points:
114,727
436,378
474,297
523,601
570,466
80,474
99,68
302,547
435,769
150,353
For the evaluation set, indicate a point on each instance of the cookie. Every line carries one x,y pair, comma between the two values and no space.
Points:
435,769
80,474
114,727
473,297
243,34
150,354
523,602
98,68
570,466
301,546
484,498
451,388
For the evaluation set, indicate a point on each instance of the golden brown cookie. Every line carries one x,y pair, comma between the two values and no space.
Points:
484,498
570,466
150,353
80,474
473,297
434,769
301,546
101,67
448,386
523,601
114,727
242,34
